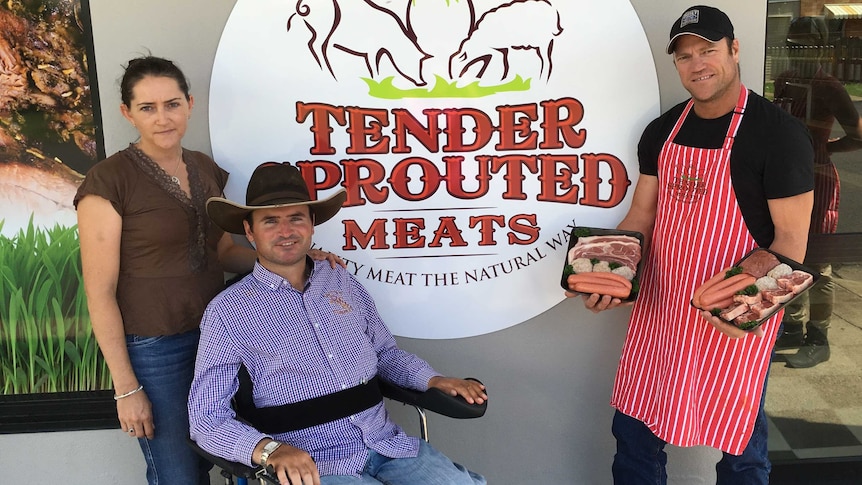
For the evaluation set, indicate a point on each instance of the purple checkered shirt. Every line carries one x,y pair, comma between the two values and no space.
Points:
297,346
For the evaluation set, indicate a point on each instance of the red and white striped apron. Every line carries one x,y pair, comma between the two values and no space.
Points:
690,384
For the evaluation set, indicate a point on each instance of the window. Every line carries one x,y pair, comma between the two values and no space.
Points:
814,70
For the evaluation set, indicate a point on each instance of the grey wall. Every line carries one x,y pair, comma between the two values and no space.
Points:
549,378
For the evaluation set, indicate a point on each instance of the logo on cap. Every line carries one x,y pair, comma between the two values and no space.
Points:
690,17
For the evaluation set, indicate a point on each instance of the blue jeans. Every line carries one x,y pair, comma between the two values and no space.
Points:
165,365
640,457
430,467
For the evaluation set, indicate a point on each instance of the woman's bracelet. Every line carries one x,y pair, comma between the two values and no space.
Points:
117,397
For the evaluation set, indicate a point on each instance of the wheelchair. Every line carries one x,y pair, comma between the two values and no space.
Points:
433,400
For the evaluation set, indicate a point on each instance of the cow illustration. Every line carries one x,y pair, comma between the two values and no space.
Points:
368,29
518,25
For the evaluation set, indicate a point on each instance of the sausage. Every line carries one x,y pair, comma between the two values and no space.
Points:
719,304
712,300
725,283
590,278
614,277
707,284
726,289
589,287
600,277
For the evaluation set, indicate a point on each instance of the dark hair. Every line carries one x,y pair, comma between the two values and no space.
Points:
142,67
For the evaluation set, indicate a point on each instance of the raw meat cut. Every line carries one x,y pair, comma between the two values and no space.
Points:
621,249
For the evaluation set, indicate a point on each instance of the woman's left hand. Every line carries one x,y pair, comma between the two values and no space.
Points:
320,255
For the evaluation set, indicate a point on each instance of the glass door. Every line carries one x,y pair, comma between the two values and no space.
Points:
814,397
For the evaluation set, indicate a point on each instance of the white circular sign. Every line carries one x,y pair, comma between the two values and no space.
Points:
470,136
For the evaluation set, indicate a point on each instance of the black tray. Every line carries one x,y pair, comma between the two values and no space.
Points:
581,231
793,265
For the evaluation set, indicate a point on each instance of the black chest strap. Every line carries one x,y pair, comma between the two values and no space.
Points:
314,411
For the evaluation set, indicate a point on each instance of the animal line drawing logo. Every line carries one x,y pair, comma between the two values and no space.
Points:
494,53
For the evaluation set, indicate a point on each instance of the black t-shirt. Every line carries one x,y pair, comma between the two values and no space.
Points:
772,156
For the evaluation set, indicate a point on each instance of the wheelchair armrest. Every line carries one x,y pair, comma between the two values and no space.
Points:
434,400
234,468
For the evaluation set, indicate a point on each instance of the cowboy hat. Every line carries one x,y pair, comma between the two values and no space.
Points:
272,185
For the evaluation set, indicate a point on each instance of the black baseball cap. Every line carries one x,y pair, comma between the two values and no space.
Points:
708,23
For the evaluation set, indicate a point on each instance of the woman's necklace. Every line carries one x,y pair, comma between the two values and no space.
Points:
174,177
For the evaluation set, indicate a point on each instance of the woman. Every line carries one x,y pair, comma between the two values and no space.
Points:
151,262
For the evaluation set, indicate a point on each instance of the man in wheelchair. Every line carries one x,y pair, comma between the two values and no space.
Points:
314,347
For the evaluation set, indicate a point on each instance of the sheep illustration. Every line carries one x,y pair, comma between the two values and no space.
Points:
503,28
385,35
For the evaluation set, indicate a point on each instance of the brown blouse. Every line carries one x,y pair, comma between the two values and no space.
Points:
169,267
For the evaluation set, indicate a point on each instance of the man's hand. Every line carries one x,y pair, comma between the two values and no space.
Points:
473,392
597,303
320,255
731,331
291,465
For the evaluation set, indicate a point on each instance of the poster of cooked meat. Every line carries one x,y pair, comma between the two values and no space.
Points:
49,137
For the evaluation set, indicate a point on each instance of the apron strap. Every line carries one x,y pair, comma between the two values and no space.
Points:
736,119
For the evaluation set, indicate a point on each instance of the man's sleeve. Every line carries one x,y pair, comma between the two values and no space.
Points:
649,148
789,169
393,364
211,419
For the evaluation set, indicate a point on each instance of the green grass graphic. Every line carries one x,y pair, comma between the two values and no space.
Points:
46,342
442,89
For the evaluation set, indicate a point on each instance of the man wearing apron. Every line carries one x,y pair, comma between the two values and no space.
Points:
720,174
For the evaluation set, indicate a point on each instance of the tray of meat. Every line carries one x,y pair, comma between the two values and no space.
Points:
753,289
603,261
